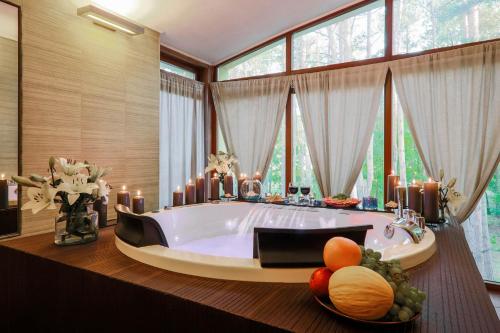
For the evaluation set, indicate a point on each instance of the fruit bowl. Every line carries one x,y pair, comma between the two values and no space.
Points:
327,304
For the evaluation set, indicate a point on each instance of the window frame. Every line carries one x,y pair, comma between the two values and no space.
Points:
250,51
388,56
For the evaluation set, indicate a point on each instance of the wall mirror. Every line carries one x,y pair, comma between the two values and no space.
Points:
10,110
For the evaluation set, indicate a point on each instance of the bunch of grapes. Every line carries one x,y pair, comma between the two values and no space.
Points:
407,299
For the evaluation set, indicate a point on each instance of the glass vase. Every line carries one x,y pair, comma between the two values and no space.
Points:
76,227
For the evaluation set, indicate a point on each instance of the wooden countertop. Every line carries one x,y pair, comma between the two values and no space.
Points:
36,276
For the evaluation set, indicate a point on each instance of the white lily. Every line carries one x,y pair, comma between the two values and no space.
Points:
75,185
40,198
70,169
222,163
103,190
455,201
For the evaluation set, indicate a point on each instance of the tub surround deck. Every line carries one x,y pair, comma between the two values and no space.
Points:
43,285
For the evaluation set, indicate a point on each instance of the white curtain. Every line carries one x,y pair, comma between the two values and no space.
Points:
250,114
452,103
339,108
182,153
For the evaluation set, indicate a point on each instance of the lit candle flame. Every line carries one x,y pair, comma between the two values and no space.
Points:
190,181
392,172
399,183
257,173
413,182
124,188
139,193
216,175
199,175
2,176
178,188
430,180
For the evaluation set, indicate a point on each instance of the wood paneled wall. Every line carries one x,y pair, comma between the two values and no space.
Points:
8,107
88,94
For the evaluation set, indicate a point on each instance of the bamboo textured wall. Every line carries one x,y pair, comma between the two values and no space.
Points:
8,107
88,94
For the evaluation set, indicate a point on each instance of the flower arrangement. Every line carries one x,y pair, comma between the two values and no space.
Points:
450,199
222,163
73,189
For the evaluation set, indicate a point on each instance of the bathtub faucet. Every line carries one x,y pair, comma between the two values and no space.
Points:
407,222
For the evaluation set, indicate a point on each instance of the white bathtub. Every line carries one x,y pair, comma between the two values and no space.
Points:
216,240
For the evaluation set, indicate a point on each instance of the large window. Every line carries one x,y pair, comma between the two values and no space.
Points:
370,181
302,170
406,160
428,24
177,70
356,35
275,178
483,231
266,60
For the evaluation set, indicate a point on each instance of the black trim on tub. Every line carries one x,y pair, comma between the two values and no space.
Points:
138,230
299,247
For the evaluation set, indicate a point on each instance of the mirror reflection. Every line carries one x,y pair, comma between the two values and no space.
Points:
9,115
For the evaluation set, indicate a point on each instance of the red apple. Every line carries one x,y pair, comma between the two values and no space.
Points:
319,281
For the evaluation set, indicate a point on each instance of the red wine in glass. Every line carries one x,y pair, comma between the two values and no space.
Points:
305,190
293,189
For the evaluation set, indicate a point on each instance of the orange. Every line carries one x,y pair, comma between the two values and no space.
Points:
341,252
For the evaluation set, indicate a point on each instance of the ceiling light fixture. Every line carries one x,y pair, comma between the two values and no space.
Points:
109,20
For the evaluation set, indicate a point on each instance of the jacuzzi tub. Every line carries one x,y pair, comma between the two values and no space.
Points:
216,240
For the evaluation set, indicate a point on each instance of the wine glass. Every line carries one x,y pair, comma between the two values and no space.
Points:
305,190
292,191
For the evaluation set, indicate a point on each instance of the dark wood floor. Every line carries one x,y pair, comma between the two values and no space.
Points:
42,285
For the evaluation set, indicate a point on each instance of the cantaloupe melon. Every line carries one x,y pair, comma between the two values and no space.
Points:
360,293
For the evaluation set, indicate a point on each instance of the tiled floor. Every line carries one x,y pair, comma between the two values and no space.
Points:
495,298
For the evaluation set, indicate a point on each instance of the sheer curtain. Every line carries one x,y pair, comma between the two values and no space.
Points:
339,109
452,103
250,114
182,153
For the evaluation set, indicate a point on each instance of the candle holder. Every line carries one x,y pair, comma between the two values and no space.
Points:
370,203
251,190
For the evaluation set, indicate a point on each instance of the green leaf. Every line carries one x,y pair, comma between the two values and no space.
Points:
23,181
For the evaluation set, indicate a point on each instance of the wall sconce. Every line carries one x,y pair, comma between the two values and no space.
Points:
109,20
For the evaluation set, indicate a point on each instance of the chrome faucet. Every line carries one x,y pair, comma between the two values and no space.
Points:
406,220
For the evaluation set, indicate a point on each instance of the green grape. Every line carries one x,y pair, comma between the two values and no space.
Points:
417,307
403,315
409,303
377,255
369,251
367,266
395,309
400,298
421,295
389,279
382,273
403,286
395,270
413,295
407,309
371,260
394,287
